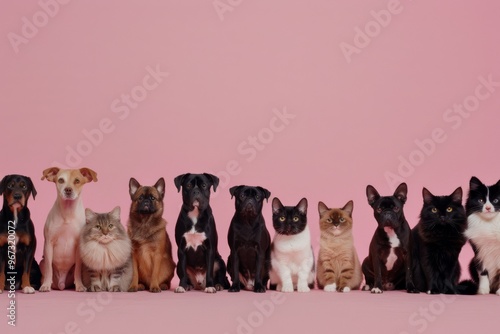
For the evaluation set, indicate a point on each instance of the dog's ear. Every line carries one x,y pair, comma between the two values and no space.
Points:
371,194
50,174
349,207
400,192
89,174
31,187
322,208
456,196
133,185
277,206
160,187
179,180
302,206
265,192
234,190
427,196
3,184
214,179
89,215
115,213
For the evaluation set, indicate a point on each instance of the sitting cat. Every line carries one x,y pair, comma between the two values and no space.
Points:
338,263
292,258
106,252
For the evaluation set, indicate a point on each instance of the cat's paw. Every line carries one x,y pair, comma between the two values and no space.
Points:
287,288
304,288
210,289
330,287
483,290
80,288
345,289
376,290
95,288
366,288
179,289
498,292
28,290
260,288
219,287
235,288
154,289
44,288
115,288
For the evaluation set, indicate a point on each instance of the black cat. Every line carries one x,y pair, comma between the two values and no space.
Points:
438,239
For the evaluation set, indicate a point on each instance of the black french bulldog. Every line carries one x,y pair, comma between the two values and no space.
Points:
16,223
200,265
388,264
249,240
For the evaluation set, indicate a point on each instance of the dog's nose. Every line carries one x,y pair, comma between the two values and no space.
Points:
17,196
68,191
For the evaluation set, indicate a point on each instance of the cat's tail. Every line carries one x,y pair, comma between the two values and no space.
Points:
467,287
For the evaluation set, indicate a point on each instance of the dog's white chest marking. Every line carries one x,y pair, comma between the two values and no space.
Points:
194,239
394,241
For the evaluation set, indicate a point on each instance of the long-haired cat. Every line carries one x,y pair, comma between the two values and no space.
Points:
292,258
438,239
483,230
106,252
338,263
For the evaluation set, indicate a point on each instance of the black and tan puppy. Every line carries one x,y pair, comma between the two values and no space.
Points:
15,224
151,247
200,265
388,265
250,258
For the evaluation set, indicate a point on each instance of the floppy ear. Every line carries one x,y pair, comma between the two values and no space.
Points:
214,179
371,194
160,186
31,187
133,185
277,206
3,184
302,206
234,190
426,194
474,183
322,208
349,207
89,174
456,196
178,181
50,174
265,192
401,192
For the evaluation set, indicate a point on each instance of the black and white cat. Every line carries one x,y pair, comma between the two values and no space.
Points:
483,220
292,258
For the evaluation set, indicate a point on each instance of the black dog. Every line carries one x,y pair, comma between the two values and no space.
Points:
388,265
250,258
200,265
15,223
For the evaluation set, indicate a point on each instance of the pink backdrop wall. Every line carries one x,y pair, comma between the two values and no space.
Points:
363,87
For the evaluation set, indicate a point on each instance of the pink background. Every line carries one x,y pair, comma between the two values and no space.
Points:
228,74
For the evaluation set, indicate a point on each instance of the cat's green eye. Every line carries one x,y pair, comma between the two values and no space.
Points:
295,219
282,218
342,219
449,209
434,210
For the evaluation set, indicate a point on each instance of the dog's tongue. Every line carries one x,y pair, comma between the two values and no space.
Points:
16,207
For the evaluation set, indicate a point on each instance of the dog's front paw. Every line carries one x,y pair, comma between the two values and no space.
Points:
260,288
304,288
165,286
498,292
154,289
210,289
95,288
179,289
235,288
287,288
483,290
81,288
410,288
133,288
376,290
44,288
28,290
330,287
141,287
115,288
219,287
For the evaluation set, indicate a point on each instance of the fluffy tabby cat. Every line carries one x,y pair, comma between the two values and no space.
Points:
483,220
292,258
106,252
437,241
338,263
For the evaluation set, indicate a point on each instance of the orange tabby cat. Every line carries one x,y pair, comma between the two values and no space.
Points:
338,263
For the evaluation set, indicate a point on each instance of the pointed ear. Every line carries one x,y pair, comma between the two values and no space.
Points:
89,215
456,196
322,208
50,174
89,174
426,194
234,190
475,184
3,184
214,179
179,180
160,186
133,185
31,187
401,192
115,213
371,194
349,207
277,206
266,193
302,206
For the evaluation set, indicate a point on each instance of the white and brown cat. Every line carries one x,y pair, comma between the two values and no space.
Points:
338,264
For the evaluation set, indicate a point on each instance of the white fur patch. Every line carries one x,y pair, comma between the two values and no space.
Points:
376,290
179,289
394,241
330,287
194,239
28,290
346,289
484,285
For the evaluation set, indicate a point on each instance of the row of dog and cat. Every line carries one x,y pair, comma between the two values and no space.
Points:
91,251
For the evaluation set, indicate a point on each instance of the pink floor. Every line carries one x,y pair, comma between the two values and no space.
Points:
245,312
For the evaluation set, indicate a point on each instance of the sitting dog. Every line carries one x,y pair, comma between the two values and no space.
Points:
249,241
61,263
17,235
388,265
151,247
199,262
